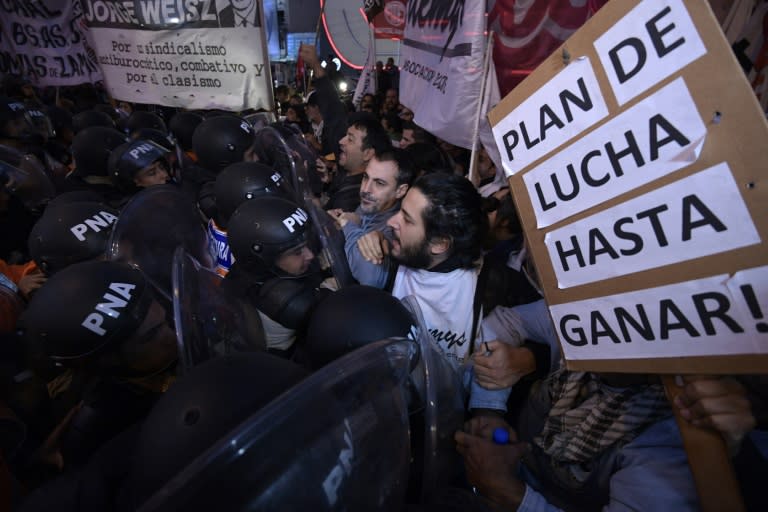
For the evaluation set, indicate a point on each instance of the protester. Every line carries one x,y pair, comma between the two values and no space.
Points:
386,180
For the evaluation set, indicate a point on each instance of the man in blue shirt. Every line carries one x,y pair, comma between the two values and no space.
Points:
386,179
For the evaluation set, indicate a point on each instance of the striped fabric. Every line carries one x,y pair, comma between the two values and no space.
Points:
588,416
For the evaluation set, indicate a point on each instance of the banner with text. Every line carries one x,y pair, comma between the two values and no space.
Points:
42,41
441,66
633,153
197,55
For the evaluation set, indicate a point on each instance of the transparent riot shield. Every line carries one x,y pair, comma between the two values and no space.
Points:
436,414
260,119
336,441
150,227
23,175
209,322
288,155
332,256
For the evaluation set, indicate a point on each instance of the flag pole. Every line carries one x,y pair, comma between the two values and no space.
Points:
488,58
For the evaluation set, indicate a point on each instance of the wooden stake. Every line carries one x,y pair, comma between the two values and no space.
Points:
709,461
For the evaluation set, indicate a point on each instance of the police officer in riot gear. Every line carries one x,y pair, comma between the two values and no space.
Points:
89,118
236,184
223,140
218,142
70,233
91,149
142,119
274,267
100,320
139,164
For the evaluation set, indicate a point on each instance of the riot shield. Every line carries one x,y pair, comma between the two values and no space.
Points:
24,176
289,156
260,119
336,441
439,409
150,227
208,321
332,256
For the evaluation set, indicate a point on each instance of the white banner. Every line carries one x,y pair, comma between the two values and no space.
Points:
42,41
710,316
441,66
367,82
696,216
195,55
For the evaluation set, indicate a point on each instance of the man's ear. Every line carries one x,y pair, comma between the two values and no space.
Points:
439,246
401,190
368,154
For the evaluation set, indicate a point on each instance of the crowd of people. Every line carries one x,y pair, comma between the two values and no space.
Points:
101,407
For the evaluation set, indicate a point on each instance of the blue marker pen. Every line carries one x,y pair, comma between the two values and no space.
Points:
500,435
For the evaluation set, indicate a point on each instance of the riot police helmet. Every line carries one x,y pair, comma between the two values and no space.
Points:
160,138
69,233
223,140
261,230
200,409
142,119
86,309
129,160
352,317
91,149
242,182
183,126
91,118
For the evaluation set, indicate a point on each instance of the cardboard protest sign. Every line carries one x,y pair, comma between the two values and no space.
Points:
42,42
195,55
636,155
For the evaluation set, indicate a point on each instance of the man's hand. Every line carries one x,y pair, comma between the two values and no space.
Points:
308,54
373,247
490,467
31,282
503,366
323,170
484,423
718,403
343,217
49,453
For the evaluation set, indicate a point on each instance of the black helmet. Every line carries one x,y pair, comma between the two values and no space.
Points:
61,119
262,229
129,158
183,126
352,317
91,149
143,119
16,111
91,118
200,409
221,141
160,138
68,233
87,307
75,196
41,122
243,181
